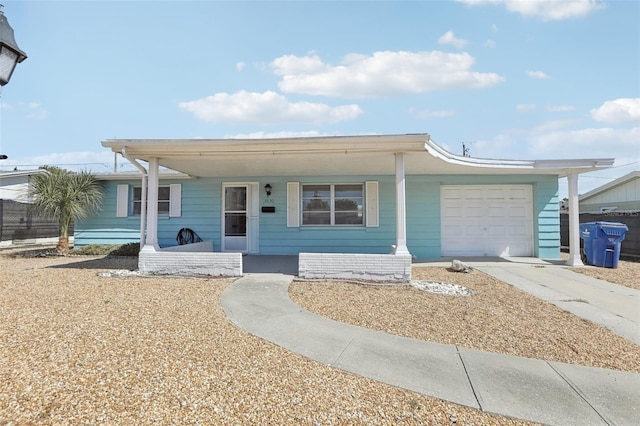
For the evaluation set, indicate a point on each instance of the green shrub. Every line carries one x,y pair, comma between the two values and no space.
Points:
129,249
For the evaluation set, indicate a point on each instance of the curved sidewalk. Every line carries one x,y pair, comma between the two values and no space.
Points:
528,389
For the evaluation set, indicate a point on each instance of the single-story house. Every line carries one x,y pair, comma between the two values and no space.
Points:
622,194
353,206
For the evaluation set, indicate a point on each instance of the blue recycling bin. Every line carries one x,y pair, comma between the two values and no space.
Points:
602,242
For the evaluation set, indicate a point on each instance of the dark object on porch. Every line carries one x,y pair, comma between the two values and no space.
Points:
187,236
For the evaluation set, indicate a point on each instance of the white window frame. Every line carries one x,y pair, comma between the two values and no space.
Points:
332,205
161,211
125,201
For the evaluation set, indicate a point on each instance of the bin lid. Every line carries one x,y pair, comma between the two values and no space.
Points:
610,225
612,228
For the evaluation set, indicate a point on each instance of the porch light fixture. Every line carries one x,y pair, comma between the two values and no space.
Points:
267,189
10,53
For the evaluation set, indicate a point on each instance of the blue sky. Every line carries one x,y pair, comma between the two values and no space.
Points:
514,80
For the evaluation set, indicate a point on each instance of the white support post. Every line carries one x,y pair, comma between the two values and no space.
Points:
574,222
151,243
401,210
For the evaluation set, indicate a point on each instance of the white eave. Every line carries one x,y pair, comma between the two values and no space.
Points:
341,155
135,175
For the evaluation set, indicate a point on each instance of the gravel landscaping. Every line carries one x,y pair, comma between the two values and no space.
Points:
627,273
496,317
79,348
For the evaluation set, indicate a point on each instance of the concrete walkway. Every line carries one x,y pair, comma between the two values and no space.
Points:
528,389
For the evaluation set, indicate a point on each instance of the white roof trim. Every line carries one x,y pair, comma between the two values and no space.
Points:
597,163
138,175
19,173
180,152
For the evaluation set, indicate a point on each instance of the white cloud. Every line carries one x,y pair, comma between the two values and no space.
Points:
550,125
266,108
538,75
291,64
547,10
623,110
450,38
381,74
555,139
525,107
240,66
489,43
586,143
31,110
560,108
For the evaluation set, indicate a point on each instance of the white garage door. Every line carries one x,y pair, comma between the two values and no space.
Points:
486,220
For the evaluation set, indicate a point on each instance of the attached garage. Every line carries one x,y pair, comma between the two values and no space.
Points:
486,220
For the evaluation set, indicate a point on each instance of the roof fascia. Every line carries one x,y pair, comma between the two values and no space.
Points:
222,147
560,167
23,173
138,175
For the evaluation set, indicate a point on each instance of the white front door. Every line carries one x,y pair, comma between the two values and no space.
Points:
239,217
486,220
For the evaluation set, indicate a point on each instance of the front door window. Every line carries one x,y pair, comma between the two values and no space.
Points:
235,218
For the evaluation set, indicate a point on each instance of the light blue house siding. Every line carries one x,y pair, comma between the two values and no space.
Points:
201,211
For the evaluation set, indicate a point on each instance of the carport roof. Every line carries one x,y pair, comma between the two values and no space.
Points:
332,155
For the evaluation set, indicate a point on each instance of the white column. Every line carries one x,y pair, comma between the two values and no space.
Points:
401,210
574,222
151,243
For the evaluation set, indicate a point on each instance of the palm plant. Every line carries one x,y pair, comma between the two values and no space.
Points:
66,196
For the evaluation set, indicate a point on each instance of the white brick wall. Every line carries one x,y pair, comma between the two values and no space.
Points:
190,263
377,267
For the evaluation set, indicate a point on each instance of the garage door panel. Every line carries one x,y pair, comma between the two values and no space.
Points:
496,231
496,194
495,220
474,230
519,194
453,212
519,230
473,212
473,194
452,193
497,212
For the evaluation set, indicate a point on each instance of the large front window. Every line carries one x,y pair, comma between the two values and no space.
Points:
332,204
164,196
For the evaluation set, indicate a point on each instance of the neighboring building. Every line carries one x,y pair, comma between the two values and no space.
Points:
622,194
18,223
14,185
342,204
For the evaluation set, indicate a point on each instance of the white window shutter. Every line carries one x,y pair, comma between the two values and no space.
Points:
175,200
122,201
293,204
372,204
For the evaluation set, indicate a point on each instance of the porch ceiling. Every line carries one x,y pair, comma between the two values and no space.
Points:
348,155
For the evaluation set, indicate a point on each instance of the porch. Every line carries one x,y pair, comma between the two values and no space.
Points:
200,259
